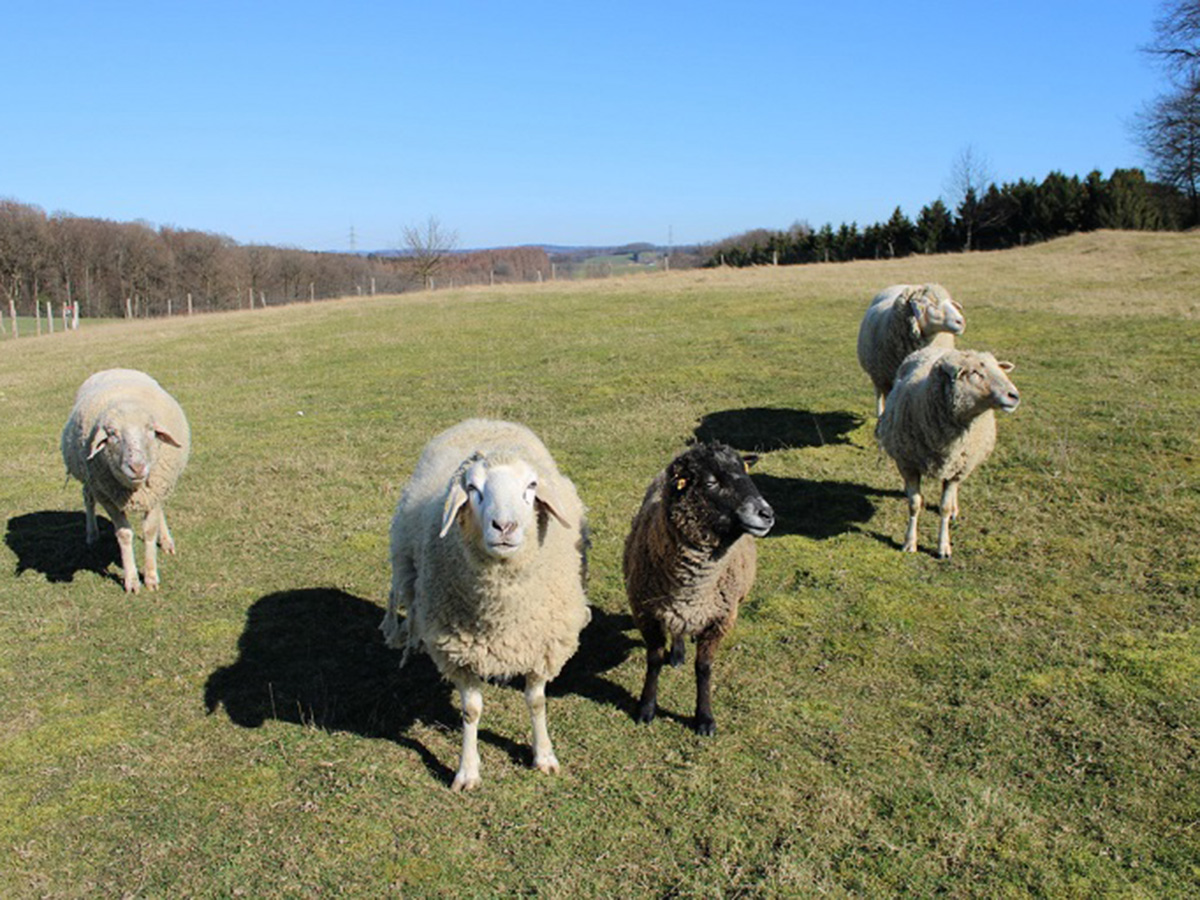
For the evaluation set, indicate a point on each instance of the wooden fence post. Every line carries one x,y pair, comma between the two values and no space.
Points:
50,316
189,303
168,307
262,299
12,314
128,308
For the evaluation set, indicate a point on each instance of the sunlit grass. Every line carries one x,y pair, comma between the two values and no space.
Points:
1020,720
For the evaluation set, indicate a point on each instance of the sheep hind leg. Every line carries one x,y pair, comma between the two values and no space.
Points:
656,653
544,759
912,490
706,650
164,533
470,690
89,514
949,513
678,651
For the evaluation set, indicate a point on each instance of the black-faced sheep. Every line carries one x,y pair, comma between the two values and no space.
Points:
939,423
900,320
488,548
690,559
127,441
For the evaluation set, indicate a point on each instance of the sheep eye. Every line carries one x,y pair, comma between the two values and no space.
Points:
710,482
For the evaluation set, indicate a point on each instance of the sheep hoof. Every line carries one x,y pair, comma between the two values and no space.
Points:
678,654
547,764
909,548
151,584
706,726
645,714
465,782
168,546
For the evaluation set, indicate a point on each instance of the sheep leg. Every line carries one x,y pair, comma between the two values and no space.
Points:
706,650
912,490
879,398
544,759
151,526
656,654
949,512
125,542
164,534
678,650
470,690
89,514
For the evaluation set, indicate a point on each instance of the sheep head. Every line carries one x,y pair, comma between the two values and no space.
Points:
710,497
976,382
934,310
497,502
126,438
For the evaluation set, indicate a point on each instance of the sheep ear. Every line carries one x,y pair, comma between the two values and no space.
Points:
545,500
1005,366
165,436
99,439
914,306
749,459
956,305
454,502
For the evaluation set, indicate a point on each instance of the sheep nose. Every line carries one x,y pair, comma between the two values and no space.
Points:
504,529
138,469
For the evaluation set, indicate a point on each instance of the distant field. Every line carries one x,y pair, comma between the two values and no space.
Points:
1019,721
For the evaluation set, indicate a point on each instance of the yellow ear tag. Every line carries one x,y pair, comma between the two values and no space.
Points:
746,467
681,484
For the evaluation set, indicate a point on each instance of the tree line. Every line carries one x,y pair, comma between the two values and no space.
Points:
992,218
131,268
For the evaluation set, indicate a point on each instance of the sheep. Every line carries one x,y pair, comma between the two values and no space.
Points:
690,559
127,441
489,555
939,423
901,319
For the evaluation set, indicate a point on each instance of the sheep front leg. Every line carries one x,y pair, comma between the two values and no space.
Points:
125,542
656,654
949,513
706,651
544,759
879,402
151,527
912,490
470,691
164,533
89,514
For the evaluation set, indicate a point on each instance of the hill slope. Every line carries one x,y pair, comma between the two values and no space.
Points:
1018,721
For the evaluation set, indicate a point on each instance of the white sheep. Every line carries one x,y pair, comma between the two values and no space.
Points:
488,547
127,441
901,319
939,423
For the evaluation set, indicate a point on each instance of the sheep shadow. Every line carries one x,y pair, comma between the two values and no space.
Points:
763,429
54,543
315,657
819,509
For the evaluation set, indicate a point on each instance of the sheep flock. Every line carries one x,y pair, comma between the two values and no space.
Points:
489,538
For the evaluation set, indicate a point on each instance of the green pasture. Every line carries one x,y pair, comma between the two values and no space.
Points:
1019,721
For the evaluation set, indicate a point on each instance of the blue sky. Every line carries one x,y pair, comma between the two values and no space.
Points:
530,122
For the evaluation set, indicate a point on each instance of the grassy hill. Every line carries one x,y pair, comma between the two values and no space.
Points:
1018,721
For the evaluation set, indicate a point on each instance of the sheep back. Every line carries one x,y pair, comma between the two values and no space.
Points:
497,620
124,394
890,332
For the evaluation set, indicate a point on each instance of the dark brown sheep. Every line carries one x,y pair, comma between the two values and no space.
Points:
690,559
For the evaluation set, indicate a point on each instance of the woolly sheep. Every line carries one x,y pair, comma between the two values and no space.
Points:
488,548
127,441
939,423
901,319
690,559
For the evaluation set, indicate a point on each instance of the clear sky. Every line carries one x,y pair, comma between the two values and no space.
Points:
568,123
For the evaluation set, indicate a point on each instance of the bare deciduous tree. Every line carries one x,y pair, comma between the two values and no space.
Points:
970,175
427,247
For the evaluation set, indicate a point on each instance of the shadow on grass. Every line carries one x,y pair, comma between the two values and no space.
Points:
761,429
54,543
819,509
316,657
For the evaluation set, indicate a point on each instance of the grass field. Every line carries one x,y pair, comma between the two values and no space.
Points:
1018,721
